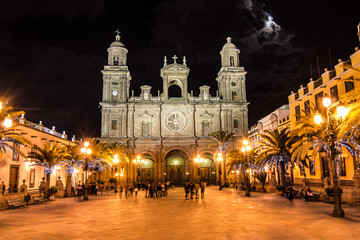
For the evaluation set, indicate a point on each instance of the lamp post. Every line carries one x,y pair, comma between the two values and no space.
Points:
198,160
219,159
138,161
245,149
86,150
331,124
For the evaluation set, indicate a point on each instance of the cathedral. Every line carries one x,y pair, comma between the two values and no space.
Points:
169,132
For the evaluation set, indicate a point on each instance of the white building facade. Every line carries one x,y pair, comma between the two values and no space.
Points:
170,131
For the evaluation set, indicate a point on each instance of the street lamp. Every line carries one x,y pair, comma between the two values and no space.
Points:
219,159
138,161
330,137
86,150
245,149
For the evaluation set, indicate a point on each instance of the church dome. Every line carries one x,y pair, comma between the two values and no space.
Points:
117,44
229,44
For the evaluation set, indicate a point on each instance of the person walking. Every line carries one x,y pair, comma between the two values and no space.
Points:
197,190
121,189
202,187
187,190
192,190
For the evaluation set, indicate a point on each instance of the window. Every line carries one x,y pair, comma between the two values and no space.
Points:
206,128
342,166
232,61
113,124
311,166
307,108
236,123
32,178
233,96
145,129
116,60
318,100
297,113
334,94
16,155
349,86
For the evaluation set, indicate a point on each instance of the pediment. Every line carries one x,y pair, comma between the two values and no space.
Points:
145,114
175,67
207,114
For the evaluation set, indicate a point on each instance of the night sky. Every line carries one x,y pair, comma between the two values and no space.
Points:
52,52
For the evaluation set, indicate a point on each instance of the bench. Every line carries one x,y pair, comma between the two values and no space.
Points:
39,199
12,203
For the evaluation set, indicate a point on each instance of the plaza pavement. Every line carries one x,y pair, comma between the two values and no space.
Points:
220,215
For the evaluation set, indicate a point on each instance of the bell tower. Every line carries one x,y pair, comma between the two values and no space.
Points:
116,85
231,77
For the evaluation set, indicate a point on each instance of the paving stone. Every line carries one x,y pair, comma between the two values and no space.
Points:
224,214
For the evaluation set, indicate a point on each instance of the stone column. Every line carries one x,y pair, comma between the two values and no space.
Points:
356,189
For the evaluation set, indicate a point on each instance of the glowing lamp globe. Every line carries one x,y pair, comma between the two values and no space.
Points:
342,111
86,144
326,102
7,122
317,118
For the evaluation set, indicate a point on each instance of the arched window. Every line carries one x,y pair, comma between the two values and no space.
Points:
233,96
116,60
174,91
232,61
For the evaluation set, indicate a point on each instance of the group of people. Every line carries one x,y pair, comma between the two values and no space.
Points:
152,190
192,190
11,189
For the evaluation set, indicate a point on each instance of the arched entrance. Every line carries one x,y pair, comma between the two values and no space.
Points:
207,169
176,167
146,170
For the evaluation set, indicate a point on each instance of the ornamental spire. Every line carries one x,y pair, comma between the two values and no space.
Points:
117,37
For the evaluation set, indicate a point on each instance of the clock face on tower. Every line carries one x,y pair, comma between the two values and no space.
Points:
115,93
176,121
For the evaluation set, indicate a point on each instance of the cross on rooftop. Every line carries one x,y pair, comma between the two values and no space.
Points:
117,35
174,57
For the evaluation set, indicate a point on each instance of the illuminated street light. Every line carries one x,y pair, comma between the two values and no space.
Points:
138,161
246,149
8,122
86,150
317,118
331,123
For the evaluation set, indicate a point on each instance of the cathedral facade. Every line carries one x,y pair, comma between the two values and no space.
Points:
169,132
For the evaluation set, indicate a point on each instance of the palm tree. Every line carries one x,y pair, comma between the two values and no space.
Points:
221,140
116,152
97,158
242,162
275,150
71,162
330,138
351,122
10,139
47,157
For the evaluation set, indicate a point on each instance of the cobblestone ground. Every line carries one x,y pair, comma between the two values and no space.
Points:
220,215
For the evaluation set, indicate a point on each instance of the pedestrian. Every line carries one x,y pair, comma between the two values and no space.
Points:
202,189
121,189
136,191
2,187
146,187
197,190
187,190
192,187
126,191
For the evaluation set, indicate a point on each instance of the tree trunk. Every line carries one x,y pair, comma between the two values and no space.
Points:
47,186
282,173
68,185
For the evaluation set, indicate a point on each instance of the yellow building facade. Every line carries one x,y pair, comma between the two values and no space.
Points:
334,84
